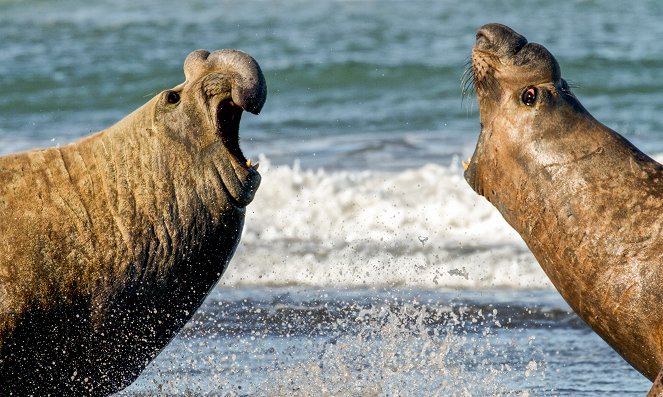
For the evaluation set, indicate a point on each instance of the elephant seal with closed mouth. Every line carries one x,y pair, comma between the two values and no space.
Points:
588,203
110,244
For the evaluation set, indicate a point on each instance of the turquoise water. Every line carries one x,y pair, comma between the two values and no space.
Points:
361,137
348,80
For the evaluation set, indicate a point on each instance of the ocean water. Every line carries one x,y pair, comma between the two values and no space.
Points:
367,267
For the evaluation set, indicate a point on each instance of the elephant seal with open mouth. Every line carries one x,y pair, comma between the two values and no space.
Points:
110,244
588,203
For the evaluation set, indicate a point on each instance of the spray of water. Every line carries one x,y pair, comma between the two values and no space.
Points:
411,350
321,347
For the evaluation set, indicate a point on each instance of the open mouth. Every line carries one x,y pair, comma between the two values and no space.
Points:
240,176
228,117
226,83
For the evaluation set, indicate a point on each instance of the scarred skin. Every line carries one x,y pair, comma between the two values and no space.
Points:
109,245
588,203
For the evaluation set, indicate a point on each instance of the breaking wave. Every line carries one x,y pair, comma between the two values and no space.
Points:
421,227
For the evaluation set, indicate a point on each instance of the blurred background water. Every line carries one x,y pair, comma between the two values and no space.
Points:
367,265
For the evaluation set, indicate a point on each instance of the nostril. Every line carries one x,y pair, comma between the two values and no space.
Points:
482,40
500,39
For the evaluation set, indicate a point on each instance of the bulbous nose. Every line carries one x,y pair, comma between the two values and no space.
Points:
499,39
249,89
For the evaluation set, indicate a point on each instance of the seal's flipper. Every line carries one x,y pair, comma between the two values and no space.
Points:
657,387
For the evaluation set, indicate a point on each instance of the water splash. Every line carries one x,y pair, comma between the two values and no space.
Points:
369,343
412,350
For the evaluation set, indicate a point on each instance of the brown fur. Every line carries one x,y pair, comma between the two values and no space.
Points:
588,203
110,244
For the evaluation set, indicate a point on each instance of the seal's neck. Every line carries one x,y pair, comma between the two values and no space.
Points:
588,208
156,196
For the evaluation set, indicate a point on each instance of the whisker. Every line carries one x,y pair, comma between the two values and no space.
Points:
478,79
467,73
467,82
490,84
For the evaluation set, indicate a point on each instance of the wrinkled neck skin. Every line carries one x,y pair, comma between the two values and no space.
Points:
167,200
589,205
161,202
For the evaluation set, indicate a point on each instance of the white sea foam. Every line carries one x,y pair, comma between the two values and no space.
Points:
421,227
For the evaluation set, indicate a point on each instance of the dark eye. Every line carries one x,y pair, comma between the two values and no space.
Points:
173,97
529,96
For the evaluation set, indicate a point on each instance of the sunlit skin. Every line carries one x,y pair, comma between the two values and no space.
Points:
588,203
110,244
